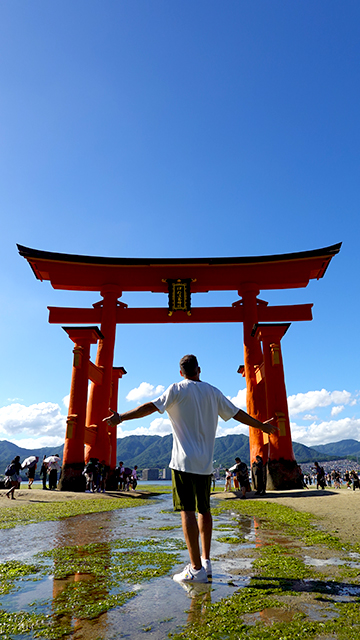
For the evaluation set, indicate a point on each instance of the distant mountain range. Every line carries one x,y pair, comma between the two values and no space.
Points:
155,451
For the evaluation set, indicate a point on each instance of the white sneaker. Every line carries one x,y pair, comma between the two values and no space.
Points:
207,566
191,575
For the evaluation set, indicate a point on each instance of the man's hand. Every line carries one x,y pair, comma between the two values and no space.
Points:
114,419
266,427
269,428
140,412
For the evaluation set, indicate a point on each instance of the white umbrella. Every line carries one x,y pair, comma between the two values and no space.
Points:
29,462
52,459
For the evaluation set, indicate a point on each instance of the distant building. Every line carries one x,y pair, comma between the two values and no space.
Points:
150,474
166,474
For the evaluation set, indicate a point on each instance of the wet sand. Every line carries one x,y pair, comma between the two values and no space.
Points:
337,509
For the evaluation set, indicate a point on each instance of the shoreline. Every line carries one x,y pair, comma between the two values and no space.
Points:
337,510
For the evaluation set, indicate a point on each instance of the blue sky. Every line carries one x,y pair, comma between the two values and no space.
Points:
179,129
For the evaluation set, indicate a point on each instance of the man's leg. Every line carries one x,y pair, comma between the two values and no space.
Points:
191,535
205,528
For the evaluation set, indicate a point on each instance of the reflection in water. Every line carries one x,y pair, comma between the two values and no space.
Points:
76,595
200,595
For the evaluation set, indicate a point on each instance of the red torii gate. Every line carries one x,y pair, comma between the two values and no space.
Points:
264,326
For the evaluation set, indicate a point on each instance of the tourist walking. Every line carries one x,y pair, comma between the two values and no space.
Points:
193,408
12,472
30,465
320,476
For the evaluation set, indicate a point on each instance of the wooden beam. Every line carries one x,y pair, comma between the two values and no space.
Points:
287,313
95,373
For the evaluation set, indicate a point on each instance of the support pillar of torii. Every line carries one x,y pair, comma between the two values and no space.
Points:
283,471
71,478
81,440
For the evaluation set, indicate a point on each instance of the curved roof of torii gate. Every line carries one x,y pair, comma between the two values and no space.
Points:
90,273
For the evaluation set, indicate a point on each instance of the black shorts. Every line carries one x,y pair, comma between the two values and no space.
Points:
191,491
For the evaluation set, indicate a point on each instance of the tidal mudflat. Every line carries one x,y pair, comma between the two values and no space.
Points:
95,573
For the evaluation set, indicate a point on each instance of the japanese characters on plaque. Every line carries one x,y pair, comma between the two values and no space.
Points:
179,296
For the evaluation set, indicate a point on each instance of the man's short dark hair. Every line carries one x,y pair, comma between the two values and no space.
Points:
237,460
189,365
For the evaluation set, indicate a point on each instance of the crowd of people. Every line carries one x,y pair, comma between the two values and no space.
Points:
126,478
334,478
95,472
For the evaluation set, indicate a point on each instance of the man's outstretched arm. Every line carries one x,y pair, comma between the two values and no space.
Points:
244,417
140,412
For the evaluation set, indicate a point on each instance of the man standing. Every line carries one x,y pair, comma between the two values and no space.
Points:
193,408
258,474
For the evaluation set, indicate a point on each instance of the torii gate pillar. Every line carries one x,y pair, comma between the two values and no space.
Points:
282,469
117,374
253,357
99,399
71,474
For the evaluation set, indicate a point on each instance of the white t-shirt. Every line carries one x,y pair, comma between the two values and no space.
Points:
193,408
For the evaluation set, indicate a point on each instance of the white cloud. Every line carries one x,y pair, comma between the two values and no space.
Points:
39,422
158,427
144,390
336,410
309,416
39,443
326,431
313,399
240,399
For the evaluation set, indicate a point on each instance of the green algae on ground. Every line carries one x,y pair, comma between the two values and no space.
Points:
223,621
280,572
290,522
41,512
276,561
20,623
231,539
10,571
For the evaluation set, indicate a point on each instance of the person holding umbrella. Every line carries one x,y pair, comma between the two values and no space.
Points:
30,464
53,463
